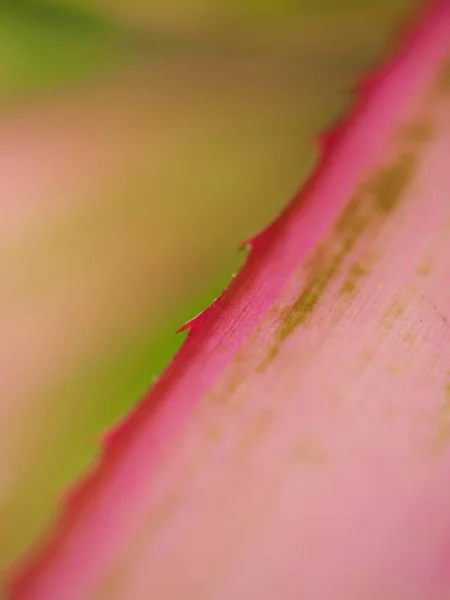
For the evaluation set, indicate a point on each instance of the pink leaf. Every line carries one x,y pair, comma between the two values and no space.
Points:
299,444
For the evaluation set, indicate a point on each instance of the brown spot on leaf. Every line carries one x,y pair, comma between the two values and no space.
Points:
395,310
258,429
306,452
409,338
355,274
443,420
416,134
424,268
368,208
441,85
390,183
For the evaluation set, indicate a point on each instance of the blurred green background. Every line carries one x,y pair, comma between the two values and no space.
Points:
140,142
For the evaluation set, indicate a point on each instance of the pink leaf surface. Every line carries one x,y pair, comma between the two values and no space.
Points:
298,446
